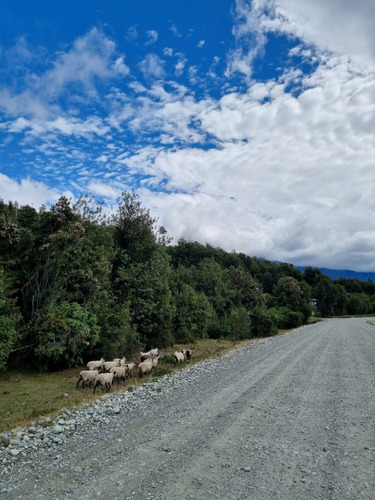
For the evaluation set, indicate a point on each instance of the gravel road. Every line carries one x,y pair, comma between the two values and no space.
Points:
290,417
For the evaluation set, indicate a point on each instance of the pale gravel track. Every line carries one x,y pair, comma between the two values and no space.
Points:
291,417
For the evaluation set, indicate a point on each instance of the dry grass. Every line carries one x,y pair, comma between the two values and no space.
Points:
26,396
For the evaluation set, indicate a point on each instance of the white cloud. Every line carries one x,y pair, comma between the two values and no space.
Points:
292,178
120,67
29,192
343,26
273,173
152,37
152,66
101,189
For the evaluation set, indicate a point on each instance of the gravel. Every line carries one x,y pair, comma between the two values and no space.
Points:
289,417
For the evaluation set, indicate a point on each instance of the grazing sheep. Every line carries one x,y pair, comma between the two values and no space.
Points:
96,365
129,367
143,356
107,365
154,352
155,360
145,368
188,354
86,376
105,380
119,372
179,357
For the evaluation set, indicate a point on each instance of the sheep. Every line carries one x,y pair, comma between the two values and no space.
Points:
143,356
119,372
155,360
107,365
105,380
188,354
144,368
179,357
129,367
96,365
147,355
86,376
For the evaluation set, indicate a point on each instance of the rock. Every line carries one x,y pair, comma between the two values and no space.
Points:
58,429
5,438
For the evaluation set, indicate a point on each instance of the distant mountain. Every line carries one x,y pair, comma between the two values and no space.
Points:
335,274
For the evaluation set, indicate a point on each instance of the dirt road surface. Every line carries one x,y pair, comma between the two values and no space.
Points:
290,417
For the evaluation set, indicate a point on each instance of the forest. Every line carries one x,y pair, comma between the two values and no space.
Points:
77,283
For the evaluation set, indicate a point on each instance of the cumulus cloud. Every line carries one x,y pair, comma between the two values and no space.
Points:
343,26
280,168
29,192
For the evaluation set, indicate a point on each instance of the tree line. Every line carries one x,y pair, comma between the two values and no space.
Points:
76,283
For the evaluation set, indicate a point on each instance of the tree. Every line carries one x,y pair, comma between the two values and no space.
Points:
193,314
249,289
9,322
63,334
325,297
134,228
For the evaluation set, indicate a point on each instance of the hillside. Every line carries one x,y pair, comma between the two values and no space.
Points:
335,274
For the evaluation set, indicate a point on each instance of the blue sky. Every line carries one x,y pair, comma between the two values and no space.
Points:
249,125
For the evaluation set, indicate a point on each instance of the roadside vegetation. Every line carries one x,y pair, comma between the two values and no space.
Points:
27,395
77,285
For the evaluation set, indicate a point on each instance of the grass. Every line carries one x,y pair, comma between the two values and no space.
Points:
25,396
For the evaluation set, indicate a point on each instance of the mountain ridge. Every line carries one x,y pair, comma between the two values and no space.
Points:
335,274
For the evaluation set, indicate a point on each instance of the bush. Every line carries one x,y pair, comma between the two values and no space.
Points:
263,323
285,318
63,334
238,324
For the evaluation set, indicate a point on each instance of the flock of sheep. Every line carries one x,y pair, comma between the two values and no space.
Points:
104,373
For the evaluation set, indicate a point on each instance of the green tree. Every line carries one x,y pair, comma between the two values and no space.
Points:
9,322
64,333
193,314
238,324
325,297
249,289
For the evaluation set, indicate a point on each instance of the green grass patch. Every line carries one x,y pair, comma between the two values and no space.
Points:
25,396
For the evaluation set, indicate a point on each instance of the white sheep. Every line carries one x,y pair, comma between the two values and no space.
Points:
119,372
179,357
105,380
154,352
96,365
155,360
145,367
107,365
129,367
86,376
143,356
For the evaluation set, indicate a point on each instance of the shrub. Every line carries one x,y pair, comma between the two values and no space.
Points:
263,323
63,334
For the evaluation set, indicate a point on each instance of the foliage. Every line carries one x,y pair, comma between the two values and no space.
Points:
9,321
76,283
193,313
263,322
63,334
238,324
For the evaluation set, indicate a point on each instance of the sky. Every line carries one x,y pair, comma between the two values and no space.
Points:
245,124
